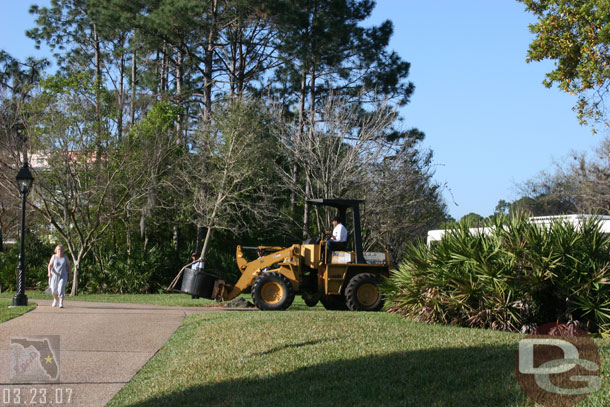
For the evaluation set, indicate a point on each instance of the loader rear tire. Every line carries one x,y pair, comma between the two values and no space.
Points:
362,293
310,299
333,302
272,291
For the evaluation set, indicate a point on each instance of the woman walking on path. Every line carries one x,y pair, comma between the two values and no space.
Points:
59,272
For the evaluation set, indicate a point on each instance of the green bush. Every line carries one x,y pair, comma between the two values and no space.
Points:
8,268
519,276
37,255
148,270
144,271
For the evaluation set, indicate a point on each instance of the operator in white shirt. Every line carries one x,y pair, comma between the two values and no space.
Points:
197,264
338,240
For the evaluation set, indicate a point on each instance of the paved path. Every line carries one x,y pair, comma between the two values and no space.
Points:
102,346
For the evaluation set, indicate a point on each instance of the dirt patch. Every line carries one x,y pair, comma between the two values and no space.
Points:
239,302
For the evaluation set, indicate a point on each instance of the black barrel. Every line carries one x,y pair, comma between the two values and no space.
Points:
198,283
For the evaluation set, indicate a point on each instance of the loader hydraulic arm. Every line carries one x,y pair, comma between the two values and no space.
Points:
249,270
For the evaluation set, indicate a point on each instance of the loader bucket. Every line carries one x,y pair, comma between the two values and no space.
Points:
198,283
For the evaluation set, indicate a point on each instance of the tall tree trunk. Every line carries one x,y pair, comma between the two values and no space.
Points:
306,208
209,65
300,128
176,237
76,271
311,135
75,276
1,230
151,203
241,70
199,239
121,98
179,82
128,241
233,69
164,69
132,108
206,243
98,92
212,217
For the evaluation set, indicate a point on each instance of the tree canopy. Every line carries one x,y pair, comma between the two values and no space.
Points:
168,120
575,34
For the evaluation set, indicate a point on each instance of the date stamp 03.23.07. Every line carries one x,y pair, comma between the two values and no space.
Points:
40,396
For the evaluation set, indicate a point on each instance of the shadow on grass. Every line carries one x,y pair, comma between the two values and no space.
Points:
288,346
475,376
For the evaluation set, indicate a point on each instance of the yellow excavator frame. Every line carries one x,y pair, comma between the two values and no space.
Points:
289,261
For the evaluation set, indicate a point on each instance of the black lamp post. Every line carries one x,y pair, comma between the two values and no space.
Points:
24,182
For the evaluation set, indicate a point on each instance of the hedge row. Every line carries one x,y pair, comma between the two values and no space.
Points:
515,278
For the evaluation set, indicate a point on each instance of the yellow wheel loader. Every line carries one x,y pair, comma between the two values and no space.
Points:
340,280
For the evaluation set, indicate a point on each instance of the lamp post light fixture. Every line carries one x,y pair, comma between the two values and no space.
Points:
24,183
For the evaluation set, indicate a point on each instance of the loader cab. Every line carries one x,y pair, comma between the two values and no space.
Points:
355,234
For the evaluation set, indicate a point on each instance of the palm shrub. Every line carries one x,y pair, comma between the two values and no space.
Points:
517,275
465,279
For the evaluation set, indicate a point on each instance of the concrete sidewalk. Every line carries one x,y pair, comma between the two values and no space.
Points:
102,346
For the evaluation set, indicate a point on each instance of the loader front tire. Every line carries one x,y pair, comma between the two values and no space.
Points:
362,293
272,291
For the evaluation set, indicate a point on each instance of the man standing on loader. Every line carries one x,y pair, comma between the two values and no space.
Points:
338,240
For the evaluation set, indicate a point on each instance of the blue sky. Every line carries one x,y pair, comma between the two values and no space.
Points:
487,117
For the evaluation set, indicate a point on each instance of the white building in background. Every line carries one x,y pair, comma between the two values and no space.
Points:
38,161
546,221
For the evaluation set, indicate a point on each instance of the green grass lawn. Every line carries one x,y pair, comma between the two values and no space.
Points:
322,358
166,299
182,300
7,313
332,359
